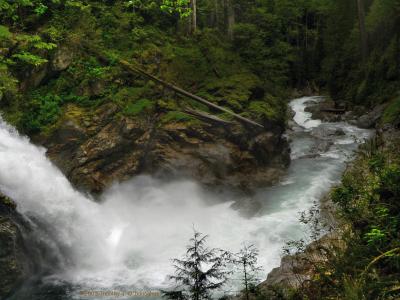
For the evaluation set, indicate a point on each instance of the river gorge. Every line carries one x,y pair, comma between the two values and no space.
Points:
126,239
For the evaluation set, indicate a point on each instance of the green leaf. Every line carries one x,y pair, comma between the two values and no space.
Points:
30,58
4,33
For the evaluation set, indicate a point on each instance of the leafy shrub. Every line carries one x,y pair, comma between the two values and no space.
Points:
42,111
368,200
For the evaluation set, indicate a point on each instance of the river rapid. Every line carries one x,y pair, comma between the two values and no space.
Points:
126,242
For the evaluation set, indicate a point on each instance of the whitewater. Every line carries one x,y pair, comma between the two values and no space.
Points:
128,238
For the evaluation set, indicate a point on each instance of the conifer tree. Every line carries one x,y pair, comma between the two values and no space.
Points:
246,259
201,271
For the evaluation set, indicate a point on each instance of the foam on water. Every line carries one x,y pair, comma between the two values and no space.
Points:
302,117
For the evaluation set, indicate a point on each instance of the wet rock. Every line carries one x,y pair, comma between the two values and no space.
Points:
327,131
14,266
317,110
35,77
298,268
322,146
97,151
370,119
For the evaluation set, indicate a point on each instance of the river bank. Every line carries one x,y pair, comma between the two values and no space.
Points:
330,230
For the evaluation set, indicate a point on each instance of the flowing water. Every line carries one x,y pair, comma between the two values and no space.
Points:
127,242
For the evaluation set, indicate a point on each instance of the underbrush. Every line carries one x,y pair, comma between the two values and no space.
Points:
367,265
204,64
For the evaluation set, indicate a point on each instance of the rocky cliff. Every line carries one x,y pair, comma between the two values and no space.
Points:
97,149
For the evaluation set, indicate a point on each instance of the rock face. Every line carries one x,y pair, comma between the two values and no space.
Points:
321,111
59,61
98,150
296,269
370,119
14,264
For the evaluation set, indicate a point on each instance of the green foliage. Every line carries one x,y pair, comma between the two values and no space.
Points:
199,272
368,200
4,33
265,110
137,30
363,82
392,112
375,237
8,84
40,9
29,58
43,111
182,7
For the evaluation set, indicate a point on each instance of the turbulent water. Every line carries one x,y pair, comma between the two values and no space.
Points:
128,240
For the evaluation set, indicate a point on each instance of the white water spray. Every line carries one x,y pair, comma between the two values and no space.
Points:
129,239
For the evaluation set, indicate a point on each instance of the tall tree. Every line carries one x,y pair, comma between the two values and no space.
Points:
363,31
199,272
229,12
193,23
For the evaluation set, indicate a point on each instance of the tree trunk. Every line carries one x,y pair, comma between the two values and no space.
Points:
193,4
216,19
230,18
363,31
246,284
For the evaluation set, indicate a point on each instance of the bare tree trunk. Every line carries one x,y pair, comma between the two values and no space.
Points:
231,20
216,14
306,34
193,4
246,283
229,13
363,31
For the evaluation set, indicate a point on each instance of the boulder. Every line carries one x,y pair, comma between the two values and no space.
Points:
62,59
326,131
14,266
370,119
322,146
296,269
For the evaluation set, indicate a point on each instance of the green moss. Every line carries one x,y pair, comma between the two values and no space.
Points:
138,107
176,116
7,201
270,108
392,112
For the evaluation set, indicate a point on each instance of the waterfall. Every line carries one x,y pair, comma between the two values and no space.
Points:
130,236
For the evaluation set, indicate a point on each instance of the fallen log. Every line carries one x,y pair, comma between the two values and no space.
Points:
333,110
135,69
181,91
205,116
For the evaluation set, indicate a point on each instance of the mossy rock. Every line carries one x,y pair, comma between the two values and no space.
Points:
392,112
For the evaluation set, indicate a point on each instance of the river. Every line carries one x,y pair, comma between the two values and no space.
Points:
127,242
